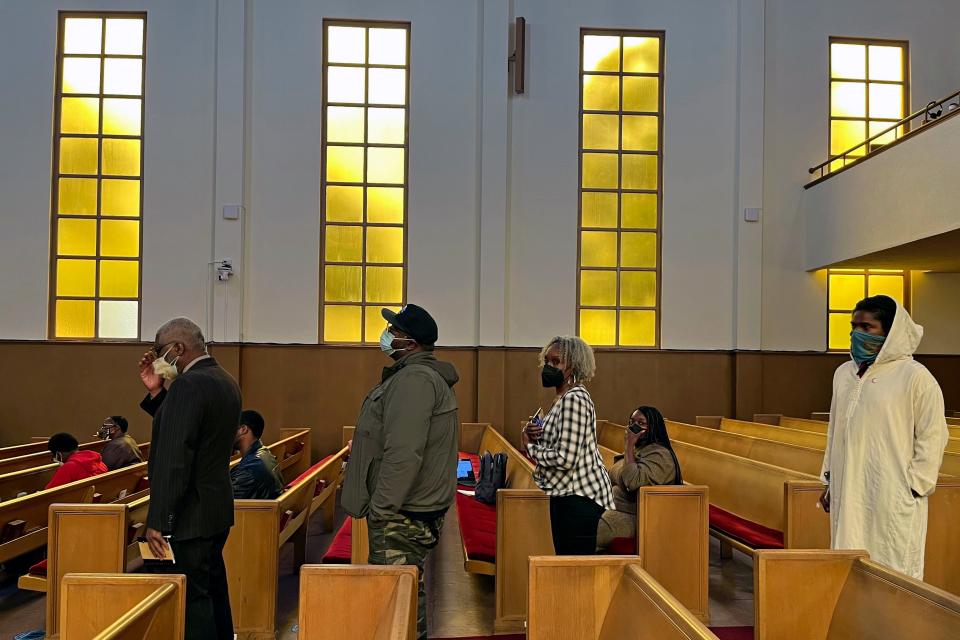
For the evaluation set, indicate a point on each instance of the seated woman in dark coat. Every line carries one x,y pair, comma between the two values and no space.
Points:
648,459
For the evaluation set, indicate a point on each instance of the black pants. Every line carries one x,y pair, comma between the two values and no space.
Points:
208,602
573,523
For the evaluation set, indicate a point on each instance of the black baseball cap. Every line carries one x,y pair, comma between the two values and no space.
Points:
413,321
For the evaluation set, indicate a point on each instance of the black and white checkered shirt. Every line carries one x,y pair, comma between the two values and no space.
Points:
568,461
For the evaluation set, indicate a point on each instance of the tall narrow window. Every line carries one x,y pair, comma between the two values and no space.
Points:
97,177
364,192
847,287
621,103
869,92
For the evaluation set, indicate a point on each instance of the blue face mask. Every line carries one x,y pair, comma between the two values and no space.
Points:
865,347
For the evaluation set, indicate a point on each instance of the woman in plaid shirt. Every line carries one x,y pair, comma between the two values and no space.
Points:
569,467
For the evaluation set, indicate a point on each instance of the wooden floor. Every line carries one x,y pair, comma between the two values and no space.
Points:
458,604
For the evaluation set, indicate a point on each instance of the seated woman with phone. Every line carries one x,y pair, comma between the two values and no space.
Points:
648,459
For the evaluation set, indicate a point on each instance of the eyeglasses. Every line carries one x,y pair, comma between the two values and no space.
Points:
159,349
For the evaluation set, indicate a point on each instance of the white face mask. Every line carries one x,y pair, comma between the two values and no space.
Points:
165,369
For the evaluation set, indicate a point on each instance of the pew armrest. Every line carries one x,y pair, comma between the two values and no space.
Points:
810,581
673,541
523,530
806,525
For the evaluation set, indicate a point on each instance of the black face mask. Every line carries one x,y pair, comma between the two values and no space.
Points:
551,376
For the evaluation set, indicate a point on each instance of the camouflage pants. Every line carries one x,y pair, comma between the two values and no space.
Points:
396,539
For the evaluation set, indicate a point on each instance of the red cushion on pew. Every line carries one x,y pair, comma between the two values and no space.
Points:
748,532
733,633
142,484
339,551
39,569
308,472
622,547
478,528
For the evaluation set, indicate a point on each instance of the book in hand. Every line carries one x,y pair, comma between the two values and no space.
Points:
148,556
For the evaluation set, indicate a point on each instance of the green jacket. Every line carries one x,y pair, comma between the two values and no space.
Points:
406,443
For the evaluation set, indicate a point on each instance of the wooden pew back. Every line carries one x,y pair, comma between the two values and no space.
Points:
519,469
43,457
382,602
772,496
604,598
843,595
16,450
123,607
803,424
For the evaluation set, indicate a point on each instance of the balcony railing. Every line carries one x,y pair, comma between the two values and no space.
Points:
921,120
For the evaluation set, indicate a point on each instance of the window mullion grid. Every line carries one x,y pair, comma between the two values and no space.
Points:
619,189
96,285
363,216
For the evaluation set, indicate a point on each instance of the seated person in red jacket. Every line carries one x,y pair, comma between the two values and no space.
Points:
74,465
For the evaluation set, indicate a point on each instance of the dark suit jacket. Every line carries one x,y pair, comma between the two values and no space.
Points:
194,428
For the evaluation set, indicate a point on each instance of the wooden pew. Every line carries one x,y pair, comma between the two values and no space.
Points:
843,595
27,481
950,466
42,457
381,605
672,532
16,450
818,426
942,554
604,598
100,538
123,607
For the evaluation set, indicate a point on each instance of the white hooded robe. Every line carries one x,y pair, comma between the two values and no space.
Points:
886,437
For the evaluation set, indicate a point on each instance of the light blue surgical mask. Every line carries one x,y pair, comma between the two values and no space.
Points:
386,342
865,347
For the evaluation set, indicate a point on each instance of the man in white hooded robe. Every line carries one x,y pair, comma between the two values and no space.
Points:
885,441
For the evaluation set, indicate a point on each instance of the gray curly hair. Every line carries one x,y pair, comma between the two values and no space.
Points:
576,354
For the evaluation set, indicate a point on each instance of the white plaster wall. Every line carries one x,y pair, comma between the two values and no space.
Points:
699,175
796,133
283,232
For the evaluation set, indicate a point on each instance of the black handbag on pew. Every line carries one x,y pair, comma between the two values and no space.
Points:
493,476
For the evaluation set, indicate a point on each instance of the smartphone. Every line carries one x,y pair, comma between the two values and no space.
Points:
537,418
635,428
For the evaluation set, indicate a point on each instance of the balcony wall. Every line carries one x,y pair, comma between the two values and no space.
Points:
893,207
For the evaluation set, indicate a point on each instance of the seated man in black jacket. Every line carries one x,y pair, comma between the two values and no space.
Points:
256,475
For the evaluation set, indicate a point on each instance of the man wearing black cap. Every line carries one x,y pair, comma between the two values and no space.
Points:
402,471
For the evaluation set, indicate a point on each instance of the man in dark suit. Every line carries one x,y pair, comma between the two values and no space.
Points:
195,406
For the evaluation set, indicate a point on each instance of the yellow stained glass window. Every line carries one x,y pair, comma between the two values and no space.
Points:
639,171
638,288
621,105
385,205
121,157
121,116
120,238
638,328
97,177
341,323
598,249
344,244
599,171
75,318
76,237
868,94
601,93
119,278
344,204
599,288
599,209
847,287
79,115
342,283
120,198
76,278
345,124
385,165
599,326
365,107
385,244
78,155
77,196
384,284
